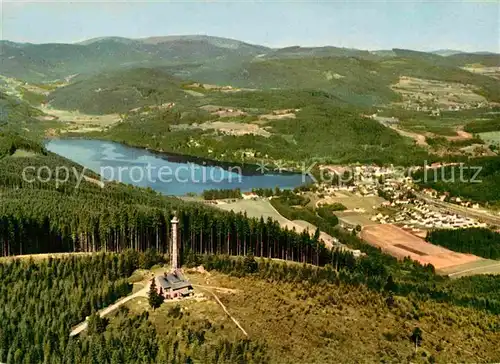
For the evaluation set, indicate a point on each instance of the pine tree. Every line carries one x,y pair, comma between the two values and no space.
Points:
316,235
155,300
390,286
416,337
250,264
97,324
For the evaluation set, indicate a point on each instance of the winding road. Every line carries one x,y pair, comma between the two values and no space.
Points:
83,325
144,293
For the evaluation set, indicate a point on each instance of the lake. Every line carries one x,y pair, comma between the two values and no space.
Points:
167,174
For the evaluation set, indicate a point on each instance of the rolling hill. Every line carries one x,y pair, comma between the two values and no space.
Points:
45,62
119,91
117,75
484,59
199,57
14,110
361,80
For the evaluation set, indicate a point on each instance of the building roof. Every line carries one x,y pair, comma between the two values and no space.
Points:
173,281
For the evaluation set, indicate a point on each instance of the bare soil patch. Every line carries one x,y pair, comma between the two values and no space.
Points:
226,127
223,112
400,244
79,118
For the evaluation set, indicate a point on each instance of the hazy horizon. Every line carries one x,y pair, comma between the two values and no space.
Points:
256,44
423,26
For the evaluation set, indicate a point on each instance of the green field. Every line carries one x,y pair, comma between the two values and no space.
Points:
491,137
257,209
354,219
444,125
351,201
435,125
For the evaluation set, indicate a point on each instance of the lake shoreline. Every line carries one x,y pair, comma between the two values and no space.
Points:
168,173
247,169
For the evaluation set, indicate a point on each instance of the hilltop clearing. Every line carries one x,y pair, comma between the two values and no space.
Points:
290,312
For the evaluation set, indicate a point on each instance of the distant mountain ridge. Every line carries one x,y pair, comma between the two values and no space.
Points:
194,57
46,62
216,41
446,52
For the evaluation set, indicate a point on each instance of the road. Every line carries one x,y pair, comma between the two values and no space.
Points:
486,269
419,138
461,210
144,293
83,325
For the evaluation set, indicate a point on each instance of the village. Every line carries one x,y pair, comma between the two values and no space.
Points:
368,194
434,96
401,204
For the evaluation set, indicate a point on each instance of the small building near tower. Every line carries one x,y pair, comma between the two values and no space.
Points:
174,285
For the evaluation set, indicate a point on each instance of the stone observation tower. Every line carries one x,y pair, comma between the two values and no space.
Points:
174,252
174,284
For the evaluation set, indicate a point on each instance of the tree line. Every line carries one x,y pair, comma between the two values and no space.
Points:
477,180
221,194
478,241
42,217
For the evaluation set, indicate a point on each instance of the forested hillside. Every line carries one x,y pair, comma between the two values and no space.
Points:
43,217
477,180
291,104
226,100
119,92
48,62
482,242
483,125
357,75
316,308
487,60
321,130
52,216
357,80
16,110
11,142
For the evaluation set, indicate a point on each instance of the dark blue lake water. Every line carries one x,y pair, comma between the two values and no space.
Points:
167,174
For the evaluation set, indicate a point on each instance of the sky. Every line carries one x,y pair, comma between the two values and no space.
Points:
419,25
